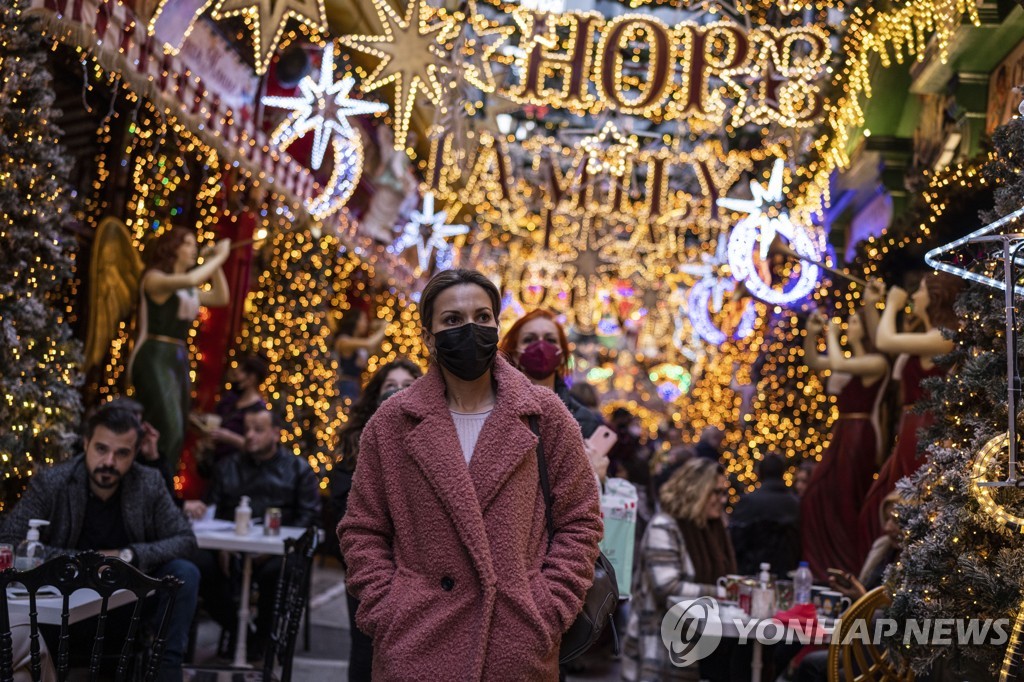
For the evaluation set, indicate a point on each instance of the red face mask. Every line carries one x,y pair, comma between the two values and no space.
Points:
540,359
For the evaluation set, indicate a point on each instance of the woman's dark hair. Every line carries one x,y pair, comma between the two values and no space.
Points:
943,289
118,416
363,409
450,278
586,394
162,252
255,365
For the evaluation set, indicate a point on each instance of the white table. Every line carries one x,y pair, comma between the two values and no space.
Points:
221,535
731,630
81,605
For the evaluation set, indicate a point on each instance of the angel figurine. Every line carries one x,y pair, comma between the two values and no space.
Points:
168,286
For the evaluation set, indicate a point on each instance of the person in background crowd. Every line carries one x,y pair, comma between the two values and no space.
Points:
354,343
269,476
710,444
244,396
444,535
102,501
683,552
538,346
802,477
586,394
386,381
628,457
765,524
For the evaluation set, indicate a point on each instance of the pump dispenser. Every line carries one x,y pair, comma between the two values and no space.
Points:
243,516
30,551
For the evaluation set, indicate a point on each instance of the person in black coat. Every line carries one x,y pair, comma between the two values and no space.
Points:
765,524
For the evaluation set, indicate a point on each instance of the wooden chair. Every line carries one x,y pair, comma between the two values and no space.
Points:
105,576
290,601
864,662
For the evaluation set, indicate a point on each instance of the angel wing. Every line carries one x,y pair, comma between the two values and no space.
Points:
114,272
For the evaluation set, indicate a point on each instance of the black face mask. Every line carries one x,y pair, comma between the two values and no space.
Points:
386,394
467,351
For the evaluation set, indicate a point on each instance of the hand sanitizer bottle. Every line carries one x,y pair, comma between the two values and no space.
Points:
30,551
243,515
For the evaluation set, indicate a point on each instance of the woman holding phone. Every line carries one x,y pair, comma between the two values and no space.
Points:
537,345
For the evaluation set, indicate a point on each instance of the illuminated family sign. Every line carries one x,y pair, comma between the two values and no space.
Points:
565,180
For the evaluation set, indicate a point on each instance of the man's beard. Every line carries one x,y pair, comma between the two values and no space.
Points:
114,474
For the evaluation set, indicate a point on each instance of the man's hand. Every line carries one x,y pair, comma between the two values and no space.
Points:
147,446
194,509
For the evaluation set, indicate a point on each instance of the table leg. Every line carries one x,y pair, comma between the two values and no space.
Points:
755,662
243,612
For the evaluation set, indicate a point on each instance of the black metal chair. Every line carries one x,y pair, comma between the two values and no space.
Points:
290,601
105,576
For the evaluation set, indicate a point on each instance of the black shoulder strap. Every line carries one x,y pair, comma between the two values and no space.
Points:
542,469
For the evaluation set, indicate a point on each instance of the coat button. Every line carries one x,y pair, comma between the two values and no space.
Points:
447,584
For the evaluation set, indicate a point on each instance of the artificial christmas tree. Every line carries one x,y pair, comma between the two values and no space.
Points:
958,560
40,406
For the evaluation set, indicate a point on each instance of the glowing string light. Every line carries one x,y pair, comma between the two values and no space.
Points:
415,234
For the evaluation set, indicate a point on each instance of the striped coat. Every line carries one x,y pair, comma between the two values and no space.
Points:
664,569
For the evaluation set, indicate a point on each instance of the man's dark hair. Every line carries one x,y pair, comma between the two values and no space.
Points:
255,365
116,416
772,467
275,417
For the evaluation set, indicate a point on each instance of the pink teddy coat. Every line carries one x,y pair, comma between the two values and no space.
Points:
451,562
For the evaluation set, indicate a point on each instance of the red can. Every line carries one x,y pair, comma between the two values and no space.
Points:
272,521
6,557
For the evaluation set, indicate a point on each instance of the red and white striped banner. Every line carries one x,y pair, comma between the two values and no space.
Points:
118,39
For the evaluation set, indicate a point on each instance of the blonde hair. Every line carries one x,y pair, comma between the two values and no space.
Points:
685,495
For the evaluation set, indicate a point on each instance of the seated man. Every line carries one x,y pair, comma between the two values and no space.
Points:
271,477
765,524
105,502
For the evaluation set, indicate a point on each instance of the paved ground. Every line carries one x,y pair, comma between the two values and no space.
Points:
327,656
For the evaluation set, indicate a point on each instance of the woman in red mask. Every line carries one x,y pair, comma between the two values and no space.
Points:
536,343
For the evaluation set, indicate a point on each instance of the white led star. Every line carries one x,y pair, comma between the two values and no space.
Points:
324,108
707,270
755,207
415,233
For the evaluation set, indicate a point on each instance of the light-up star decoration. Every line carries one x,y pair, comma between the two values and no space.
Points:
413,57
269,19
707,296
323,107
755,233
428,232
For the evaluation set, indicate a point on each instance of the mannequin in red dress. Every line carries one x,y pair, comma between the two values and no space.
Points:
830,510
933,305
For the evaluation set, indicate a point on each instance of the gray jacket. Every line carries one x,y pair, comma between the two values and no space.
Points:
158,530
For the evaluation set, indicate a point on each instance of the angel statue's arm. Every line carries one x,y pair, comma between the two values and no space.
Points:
160,285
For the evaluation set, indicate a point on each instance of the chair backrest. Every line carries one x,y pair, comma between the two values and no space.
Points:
858,661
67,575
292,590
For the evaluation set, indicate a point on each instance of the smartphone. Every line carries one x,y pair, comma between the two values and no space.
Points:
842,579
602,440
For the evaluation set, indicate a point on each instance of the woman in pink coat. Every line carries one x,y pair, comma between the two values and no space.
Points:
445,532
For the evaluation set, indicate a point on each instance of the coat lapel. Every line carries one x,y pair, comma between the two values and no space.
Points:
506,442
131,502
434,445
76,500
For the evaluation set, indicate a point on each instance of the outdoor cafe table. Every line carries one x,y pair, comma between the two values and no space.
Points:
82,604
731,630
221,535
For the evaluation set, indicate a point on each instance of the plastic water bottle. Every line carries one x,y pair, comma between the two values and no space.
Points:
802,584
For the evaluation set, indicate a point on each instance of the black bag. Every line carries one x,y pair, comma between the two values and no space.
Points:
602,597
